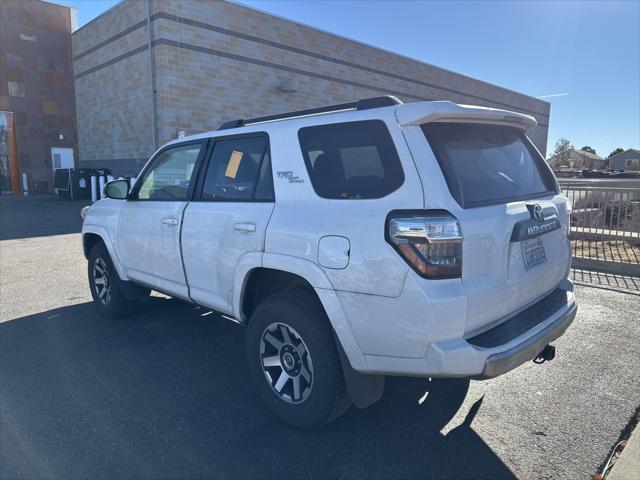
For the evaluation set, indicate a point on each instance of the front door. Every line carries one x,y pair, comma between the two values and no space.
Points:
151,220
228,217
62,158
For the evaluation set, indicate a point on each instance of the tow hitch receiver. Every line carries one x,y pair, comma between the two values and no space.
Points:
547,354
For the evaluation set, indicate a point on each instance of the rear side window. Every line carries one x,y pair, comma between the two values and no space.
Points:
353,160
239,170
488,164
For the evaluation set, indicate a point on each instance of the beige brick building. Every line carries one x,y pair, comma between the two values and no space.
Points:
146,70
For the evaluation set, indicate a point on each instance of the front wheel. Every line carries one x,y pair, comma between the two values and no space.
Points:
104,284
294,362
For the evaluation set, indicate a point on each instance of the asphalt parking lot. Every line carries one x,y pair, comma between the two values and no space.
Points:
166,394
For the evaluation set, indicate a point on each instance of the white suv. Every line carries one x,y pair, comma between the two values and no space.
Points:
354,241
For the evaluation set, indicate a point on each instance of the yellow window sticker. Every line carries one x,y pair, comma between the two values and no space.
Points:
234,163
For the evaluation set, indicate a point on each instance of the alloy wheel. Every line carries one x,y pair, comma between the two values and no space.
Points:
286,363
101,281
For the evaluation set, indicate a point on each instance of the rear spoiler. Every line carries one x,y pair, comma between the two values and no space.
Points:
426,112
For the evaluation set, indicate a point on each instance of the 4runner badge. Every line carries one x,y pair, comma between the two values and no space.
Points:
536,225
290,176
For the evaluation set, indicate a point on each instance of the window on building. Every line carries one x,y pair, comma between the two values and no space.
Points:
16,89
239,170
633,164
353,160
170,174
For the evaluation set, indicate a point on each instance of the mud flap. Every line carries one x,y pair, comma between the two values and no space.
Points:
364,390
132,291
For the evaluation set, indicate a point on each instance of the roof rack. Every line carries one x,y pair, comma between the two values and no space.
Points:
364,104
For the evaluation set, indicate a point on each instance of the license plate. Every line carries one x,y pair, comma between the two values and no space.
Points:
533,253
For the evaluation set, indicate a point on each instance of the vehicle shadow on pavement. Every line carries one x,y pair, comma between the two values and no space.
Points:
166,393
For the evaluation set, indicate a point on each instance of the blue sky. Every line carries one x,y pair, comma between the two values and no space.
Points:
587,53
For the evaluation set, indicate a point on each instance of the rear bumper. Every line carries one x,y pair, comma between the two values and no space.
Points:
494,352
502,362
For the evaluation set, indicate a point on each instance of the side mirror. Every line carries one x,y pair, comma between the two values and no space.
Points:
117,189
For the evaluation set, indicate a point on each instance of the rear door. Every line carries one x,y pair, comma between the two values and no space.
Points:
228,217
513,219
151,219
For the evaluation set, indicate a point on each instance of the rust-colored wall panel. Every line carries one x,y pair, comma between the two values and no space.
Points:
35,39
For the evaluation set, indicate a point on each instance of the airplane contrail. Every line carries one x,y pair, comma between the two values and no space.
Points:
553,95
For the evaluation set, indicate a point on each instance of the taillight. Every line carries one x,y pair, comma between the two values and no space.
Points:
430,241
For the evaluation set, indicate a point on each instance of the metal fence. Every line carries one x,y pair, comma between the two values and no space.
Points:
605,225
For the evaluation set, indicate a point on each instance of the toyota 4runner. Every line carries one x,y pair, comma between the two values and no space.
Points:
354,241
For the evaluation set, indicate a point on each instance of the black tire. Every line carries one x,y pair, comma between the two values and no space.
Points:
112,304
300,312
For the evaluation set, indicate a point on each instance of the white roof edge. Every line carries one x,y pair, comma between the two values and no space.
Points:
417,113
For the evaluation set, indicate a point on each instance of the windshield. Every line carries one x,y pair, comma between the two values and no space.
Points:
488,164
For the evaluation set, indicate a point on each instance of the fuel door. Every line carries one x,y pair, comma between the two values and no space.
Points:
333,252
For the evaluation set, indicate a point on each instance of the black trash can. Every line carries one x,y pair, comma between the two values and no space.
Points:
62,183
73,183
81,183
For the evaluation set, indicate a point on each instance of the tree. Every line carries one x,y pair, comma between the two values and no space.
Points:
561,153
615,152
587,148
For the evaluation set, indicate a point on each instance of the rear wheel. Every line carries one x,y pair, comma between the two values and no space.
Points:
294,362
104,284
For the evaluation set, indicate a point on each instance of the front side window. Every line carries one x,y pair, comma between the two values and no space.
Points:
354,160
488,164
239,170
170,174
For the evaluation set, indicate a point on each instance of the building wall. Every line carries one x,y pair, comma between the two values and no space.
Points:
577,159
216,61
619,161
36,81
113,89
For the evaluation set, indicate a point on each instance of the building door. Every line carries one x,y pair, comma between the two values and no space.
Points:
62,158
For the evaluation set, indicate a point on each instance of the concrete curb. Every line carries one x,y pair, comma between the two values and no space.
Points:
628,465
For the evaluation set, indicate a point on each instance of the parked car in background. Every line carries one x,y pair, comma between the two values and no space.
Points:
354,241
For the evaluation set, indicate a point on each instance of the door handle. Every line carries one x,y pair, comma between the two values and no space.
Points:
170,221
245,227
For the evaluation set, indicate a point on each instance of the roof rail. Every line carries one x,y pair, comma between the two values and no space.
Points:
364,104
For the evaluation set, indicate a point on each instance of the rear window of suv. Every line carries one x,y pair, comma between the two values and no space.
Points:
488,164
352,160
